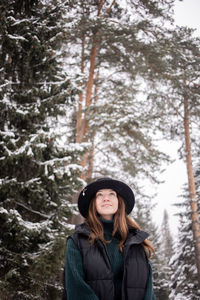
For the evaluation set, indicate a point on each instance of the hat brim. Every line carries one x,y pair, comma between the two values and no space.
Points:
89,192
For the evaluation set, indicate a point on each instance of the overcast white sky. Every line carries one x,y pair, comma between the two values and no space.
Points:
187,13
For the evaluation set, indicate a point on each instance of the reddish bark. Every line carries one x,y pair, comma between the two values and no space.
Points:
91,152
192,188
79,127
89,90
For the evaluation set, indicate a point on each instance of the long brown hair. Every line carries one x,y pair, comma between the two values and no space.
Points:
122,223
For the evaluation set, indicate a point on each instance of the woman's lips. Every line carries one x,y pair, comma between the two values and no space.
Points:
106,205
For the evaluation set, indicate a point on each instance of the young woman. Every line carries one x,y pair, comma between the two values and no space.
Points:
107,256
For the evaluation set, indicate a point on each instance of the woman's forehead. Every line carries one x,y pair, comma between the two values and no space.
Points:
105,190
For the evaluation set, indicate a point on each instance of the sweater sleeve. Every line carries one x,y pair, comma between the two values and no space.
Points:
76,287
149,295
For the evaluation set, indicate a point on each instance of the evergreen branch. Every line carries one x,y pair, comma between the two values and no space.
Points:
177,111
33,211
100,7
109,8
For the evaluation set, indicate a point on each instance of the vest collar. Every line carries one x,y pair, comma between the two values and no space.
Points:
135,236
82,229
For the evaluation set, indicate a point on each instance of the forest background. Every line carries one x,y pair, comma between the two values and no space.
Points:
88,89
185,14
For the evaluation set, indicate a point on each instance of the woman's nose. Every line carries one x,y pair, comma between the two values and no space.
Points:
106,198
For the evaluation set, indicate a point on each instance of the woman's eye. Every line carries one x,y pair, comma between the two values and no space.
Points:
99,195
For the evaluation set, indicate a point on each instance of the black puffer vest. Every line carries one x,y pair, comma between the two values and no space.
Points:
98,270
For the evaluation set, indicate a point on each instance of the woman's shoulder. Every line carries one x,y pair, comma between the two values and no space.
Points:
71,243
136,236
80,229
80,237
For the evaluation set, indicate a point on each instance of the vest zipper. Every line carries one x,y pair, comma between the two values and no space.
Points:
110,266
106,251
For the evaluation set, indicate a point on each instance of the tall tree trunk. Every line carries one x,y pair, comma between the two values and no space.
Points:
90,84
79,127
91,152
192,188
89,88
83,124
77,219
88,102
90,161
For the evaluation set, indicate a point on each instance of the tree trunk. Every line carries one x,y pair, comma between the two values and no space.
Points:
91,152
89,155
89,88
88,100
90,161
83,125
192,188
79,127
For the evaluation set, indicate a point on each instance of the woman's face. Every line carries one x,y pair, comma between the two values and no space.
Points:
106,203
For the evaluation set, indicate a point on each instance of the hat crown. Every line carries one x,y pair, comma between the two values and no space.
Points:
103,179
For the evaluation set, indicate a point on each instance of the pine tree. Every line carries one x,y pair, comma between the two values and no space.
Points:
38,170
179,105
167,240
164,255
142,214
184,278
116,48
160,269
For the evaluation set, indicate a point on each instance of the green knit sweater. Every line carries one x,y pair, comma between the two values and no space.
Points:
76,286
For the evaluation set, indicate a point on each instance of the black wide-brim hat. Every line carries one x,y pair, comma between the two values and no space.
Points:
88,193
